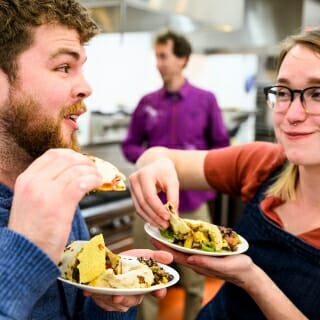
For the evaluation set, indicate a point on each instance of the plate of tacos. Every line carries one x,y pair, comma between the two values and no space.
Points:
91,266
197,237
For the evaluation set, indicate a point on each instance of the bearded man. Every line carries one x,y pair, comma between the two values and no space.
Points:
42,176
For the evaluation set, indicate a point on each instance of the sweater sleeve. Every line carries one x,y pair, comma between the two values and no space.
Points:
25,275
239,170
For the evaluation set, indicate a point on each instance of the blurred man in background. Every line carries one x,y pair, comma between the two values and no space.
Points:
178,116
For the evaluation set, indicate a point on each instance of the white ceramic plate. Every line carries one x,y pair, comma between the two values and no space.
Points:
155,233
125,291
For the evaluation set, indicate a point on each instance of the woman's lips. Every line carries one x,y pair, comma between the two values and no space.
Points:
297,135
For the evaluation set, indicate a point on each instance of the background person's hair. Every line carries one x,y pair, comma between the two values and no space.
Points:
19,18
181,45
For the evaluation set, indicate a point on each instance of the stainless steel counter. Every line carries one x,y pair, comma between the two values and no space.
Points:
112,214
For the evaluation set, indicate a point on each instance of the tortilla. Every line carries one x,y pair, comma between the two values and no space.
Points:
198,234
69,258
209,229
134,275
113,179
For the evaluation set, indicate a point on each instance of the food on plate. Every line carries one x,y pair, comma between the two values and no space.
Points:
197,234
92,263
113,179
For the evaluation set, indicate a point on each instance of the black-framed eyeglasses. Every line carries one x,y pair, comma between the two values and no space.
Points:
279,98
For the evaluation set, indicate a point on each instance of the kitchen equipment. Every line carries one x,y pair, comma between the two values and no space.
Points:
112,214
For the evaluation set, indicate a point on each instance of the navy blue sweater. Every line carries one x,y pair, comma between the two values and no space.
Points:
28,277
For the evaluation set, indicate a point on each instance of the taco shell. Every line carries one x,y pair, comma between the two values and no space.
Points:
92,259
84,261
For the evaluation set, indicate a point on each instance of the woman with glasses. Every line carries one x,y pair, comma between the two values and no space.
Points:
278,277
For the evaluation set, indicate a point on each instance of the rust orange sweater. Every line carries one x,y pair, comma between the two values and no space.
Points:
240,170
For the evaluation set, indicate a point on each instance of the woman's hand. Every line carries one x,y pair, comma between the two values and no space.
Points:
46,195
235,269
242,271
166,170
147,182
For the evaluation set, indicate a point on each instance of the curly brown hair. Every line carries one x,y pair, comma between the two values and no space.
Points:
19,18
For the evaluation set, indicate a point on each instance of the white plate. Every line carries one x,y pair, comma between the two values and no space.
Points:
155,233
125,291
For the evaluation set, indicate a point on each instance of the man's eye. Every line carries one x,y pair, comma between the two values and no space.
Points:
64,68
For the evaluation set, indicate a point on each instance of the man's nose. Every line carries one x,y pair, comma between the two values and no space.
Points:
82,89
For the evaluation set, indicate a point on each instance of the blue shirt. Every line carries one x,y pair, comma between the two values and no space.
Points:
187,119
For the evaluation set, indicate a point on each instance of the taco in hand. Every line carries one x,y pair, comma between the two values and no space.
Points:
113,179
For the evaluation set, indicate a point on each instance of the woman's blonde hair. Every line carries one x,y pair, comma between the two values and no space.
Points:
285,185
310,38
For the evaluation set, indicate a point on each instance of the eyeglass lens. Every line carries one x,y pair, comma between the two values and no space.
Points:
280,98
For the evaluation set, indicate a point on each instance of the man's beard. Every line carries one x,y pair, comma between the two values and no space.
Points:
34,132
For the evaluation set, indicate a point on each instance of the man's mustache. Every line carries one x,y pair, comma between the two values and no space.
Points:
78,107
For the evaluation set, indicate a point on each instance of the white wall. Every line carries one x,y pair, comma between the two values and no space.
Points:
121,68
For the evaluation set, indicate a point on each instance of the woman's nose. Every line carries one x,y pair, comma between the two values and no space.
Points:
296,111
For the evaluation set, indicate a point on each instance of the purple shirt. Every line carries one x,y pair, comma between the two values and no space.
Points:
187,119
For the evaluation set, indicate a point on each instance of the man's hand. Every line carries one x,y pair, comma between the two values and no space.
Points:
46,195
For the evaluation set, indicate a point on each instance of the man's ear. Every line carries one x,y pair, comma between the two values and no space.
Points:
4,85
2,73
184,61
